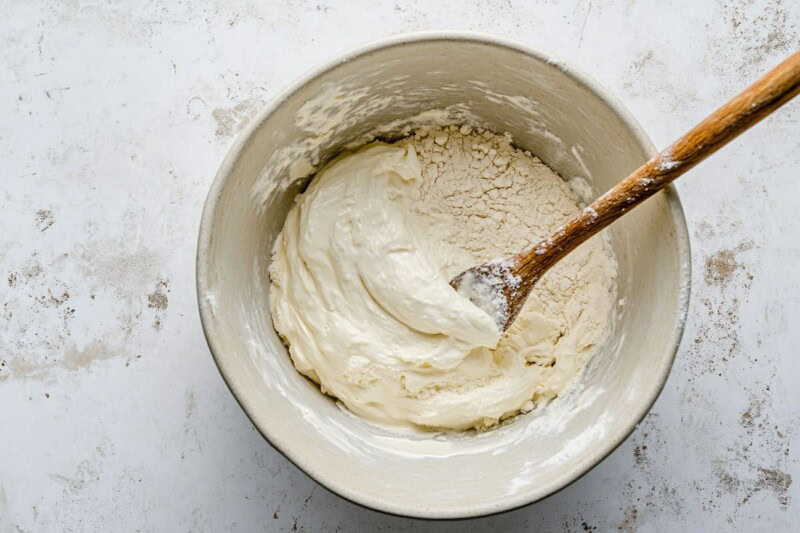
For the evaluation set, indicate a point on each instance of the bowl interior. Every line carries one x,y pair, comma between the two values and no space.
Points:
551,111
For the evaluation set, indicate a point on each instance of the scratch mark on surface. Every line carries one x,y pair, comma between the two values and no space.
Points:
583,27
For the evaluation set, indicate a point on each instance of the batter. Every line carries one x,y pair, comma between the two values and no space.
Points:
361,274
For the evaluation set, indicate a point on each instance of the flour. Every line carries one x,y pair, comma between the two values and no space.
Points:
502,200
360,278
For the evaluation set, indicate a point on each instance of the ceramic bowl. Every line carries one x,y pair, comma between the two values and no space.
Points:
381,90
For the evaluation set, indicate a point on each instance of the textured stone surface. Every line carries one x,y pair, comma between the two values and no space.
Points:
115,117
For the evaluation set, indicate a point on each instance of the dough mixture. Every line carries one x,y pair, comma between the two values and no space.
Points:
361,274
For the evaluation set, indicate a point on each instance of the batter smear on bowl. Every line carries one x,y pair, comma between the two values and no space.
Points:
360,282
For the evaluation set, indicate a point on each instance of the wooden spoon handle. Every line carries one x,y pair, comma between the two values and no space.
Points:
779,86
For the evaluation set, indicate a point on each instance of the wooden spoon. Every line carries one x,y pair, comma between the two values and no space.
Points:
501,287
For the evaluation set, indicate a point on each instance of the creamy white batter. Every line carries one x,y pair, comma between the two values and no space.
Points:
361,276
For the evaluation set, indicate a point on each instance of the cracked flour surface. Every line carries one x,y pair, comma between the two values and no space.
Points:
500,200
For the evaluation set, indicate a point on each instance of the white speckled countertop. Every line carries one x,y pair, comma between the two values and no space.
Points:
115,118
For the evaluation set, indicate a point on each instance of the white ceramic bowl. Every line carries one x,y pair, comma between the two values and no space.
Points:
559,114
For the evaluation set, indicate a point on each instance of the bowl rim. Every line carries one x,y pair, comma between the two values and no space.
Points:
208,321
